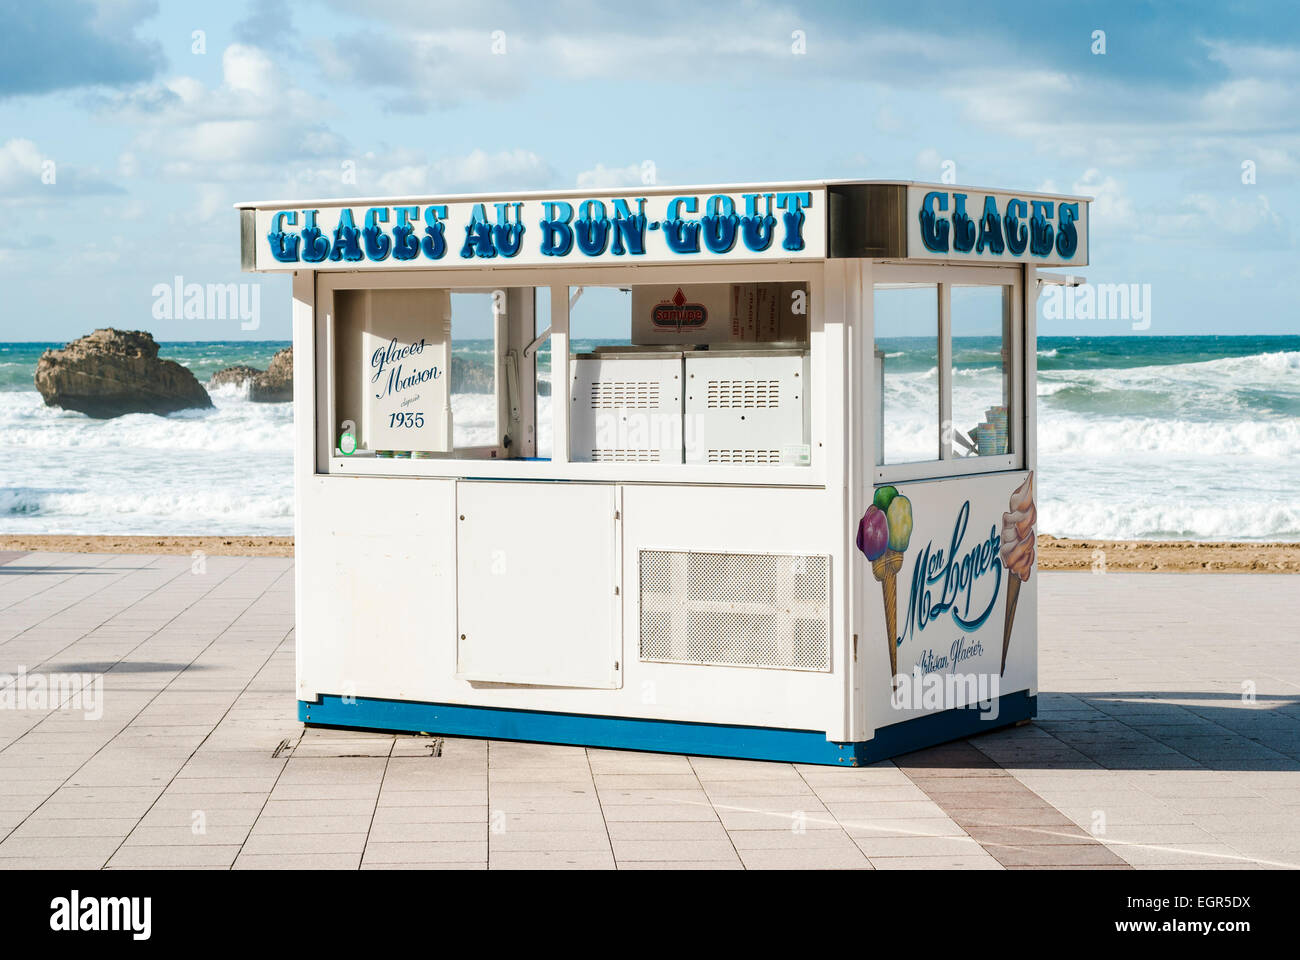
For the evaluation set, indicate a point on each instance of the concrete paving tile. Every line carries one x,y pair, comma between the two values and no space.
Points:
734,864
431,814
867,794
1062,854
500,820
1029,835
646,781
277,843
1199,865
646,812
210,801
615,797
1054,866
179,836
627,851
74,828
901,827
735,819
1013,817
444,865
196,855
1163,833
604,762
325,791
317,808
870,810
937,863
457,797
666,830
182,817
51,863
551,860
440,851
298,861
784,787
412,832
206,785
875,847
1175,853
548,840
357,823
58,846
816,858
789,839
720,769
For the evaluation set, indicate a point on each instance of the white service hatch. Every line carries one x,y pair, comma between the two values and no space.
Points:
538,583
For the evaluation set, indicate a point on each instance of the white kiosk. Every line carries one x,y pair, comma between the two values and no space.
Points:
774,500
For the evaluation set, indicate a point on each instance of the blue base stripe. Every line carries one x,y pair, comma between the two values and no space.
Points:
662,736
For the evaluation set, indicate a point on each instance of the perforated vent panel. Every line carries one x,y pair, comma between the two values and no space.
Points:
744,456
744,394
617,455
736,609
625,395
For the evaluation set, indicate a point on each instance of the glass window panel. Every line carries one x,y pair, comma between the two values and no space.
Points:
907,371
541,321
473,370
981,370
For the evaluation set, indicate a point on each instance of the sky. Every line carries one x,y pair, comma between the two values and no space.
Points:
129,129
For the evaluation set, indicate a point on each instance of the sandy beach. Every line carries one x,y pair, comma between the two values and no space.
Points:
1177,556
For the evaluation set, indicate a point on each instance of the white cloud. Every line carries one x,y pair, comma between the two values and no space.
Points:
28,175
237,131
1110,204
930,163
603,176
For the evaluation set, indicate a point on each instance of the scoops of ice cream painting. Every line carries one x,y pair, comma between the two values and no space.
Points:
962,550
883,535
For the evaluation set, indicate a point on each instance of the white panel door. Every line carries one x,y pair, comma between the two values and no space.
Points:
538,584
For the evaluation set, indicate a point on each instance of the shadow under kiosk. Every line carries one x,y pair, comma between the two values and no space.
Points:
740,470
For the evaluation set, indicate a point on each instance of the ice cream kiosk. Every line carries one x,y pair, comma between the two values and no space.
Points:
741,470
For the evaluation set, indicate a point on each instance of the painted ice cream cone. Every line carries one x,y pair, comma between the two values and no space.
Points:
1013,597
885,568
1017,552
883,535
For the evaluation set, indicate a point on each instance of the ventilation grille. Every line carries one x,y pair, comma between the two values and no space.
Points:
744,394
623,455
625,395
744,456
736,609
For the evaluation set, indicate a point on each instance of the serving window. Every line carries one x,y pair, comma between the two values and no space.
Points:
428,373
948,368
712,374
664,381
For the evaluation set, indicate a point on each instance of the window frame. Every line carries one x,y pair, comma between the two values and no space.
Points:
559,467
945,277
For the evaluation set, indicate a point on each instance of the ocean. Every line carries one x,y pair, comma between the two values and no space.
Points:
1139,437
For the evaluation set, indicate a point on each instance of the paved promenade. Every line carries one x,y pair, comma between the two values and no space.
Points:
1168,735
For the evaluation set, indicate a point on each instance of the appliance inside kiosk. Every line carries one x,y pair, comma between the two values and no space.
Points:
738,470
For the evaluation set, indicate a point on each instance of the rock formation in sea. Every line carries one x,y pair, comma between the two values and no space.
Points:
110,372
276,385
238,375
272,385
